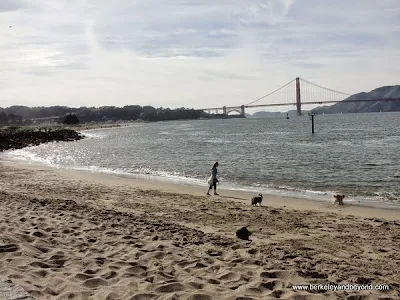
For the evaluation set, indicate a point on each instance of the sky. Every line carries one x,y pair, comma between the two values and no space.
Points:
191,53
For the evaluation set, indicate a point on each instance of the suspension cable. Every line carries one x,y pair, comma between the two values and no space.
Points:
325,88
270,93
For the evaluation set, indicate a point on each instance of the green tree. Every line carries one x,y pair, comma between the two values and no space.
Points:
71,119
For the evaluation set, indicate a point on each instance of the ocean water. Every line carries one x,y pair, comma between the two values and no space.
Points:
355,154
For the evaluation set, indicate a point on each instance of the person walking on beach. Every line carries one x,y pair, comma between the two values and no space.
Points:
212,181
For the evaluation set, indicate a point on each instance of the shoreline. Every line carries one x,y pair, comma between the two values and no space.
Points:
308,195
192,183
392,213
313,196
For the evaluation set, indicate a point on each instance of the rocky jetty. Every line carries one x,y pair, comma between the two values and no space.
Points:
17,139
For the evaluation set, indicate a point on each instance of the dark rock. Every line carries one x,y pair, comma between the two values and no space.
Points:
378,220
363,280
252,251
243,233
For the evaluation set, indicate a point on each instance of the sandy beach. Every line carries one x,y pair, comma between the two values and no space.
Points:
75,235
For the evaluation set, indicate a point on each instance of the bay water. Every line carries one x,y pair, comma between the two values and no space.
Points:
354,154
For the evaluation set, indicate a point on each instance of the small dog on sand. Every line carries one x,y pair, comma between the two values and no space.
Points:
257,199
338,199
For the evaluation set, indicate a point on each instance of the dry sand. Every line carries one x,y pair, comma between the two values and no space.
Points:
74,235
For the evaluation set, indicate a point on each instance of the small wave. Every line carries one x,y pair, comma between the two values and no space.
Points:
27,156
180,178
273,133
92,135
383,201
219,141
379,162
345,143
198,133
374,143
186,127
144,173
238,141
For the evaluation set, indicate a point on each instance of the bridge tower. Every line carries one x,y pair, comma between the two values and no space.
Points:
298,97
242,112
224,110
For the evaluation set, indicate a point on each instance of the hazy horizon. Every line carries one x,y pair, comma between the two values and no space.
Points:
191,53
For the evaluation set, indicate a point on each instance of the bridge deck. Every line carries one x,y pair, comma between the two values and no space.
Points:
303,103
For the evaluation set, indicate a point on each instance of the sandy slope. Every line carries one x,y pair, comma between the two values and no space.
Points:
66,235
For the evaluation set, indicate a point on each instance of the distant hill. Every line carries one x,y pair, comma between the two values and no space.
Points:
269,114
264,114
385,92
293,112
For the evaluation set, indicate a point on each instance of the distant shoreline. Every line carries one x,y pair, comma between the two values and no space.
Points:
176,184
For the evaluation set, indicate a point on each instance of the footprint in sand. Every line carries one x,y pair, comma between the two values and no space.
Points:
271,285
90,272
39,264
136,271
213,281
278,294
198,297
94,283
82,277
170,288
275,274
143,297
229,276
197,265
41,273
57,262
110,275
196,285
9,248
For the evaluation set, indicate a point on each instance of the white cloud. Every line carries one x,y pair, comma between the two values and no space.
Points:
191,53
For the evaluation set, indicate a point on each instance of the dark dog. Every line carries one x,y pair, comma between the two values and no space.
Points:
338,199
257,199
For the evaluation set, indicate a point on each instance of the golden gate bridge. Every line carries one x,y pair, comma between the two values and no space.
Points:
297,92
